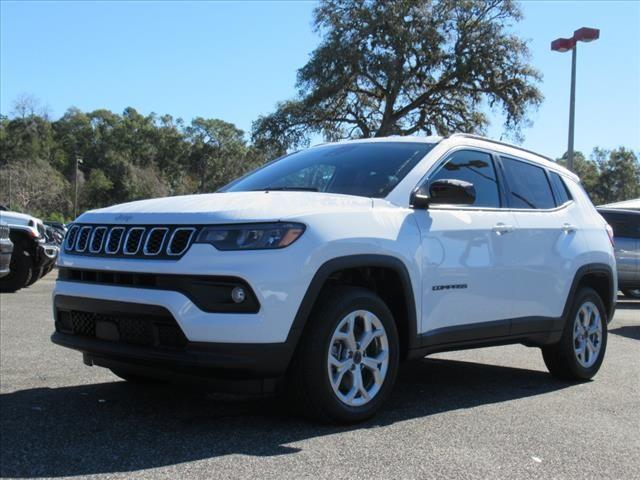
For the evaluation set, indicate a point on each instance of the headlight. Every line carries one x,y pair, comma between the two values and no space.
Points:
257,236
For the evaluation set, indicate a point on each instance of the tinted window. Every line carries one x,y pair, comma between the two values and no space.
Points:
473,167
624,224
364,169
560,189
528,185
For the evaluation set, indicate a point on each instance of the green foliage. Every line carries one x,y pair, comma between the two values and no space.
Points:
96,191
218,152
120,157
405,67
609,175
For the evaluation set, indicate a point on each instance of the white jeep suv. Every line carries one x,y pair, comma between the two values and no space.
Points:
322,270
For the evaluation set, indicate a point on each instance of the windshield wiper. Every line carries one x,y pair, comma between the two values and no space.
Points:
292,189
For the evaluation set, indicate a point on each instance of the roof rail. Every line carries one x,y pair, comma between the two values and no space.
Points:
498,142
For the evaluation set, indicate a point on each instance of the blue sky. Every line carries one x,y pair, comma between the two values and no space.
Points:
235,60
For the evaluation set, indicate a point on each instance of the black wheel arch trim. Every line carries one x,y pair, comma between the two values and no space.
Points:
355,261
587,269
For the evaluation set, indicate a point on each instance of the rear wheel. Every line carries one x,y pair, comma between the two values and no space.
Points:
580,352
631,292
20,271
347,360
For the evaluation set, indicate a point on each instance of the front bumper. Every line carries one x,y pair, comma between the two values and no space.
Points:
46,255
139,339
279,284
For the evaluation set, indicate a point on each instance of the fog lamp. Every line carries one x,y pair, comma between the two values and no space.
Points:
238,295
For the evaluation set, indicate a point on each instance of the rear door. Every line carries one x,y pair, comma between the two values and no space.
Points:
549,242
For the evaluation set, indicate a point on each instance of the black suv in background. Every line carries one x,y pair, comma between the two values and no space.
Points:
626,232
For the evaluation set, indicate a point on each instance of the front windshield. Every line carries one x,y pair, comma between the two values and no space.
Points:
365,169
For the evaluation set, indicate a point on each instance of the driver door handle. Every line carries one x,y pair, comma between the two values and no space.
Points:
568,228
501,228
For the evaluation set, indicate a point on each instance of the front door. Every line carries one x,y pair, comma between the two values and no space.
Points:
468,257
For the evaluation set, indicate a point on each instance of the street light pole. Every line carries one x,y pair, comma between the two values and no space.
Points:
583,34
75,197
572,107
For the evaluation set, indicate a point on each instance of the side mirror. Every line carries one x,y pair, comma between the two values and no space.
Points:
445,192
420,197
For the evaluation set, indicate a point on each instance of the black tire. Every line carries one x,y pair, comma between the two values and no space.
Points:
20,272
135,378
631,292
308,381
561,358
36,274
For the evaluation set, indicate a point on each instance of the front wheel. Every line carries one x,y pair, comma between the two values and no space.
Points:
580,352
347,360
20,271
36,274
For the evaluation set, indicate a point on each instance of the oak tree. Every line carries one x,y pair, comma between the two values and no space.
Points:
406,67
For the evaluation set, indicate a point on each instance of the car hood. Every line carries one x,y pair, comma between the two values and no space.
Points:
231,207
15,218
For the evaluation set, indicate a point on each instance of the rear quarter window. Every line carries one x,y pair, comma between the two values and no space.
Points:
560,189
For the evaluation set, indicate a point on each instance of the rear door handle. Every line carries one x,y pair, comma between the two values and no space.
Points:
501,228
568,228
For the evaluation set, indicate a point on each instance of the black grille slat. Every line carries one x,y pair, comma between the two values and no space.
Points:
180,240
71,236
114,240
83,239
96,239
155,240
149,331
135,241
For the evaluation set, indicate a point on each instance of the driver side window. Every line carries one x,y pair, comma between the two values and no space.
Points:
476,168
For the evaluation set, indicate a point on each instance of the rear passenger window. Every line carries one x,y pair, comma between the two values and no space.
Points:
528,185
474,167
560,189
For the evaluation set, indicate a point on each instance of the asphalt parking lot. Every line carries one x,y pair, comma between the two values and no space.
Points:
486,413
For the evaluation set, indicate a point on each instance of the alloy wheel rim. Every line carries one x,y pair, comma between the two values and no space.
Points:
358,358
587,334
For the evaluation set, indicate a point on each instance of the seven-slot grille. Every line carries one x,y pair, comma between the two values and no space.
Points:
129,241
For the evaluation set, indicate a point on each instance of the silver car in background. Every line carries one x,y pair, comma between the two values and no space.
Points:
626,232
